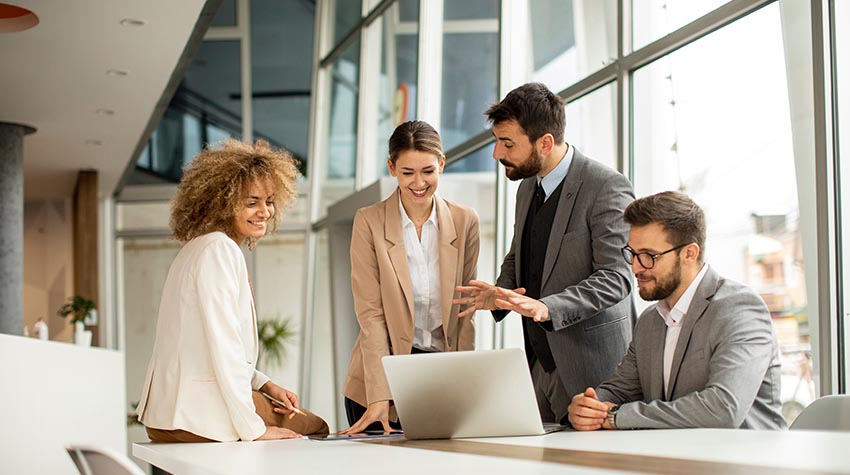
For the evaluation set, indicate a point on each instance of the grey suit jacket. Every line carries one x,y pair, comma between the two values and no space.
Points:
586,283
725,372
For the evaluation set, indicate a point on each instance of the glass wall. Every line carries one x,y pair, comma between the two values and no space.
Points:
590,125
398,82
470,63
652,19
709,134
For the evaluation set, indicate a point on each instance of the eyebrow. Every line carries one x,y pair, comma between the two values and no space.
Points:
413,169
259,198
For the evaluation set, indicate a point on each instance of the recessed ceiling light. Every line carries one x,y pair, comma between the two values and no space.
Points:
14,18
94,142
104,112
116,72
132,22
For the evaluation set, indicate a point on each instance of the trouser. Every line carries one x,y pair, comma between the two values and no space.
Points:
552,398
305,423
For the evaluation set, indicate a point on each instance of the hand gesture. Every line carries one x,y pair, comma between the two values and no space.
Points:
377,411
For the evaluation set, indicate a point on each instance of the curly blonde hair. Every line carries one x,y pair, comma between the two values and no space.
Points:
213,186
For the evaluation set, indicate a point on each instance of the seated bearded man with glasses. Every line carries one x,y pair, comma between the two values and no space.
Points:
705,355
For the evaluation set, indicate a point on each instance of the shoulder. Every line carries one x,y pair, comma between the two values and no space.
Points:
729,295
461,213
213,242
373,213
593,170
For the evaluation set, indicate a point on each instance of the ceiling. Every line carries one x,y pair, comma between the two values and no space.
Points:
54,79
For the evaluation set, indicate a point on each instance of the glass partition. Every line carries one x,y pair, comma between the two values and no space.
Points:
726,140
652,19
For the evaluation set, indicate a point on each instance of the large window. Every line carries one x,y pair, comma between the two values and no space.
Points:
653,19
567,40
341,142
726,140
398,81
470,68
590,125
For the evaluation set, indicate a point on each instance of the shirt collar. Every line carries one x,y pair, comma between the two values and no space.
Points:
674,316
557,175
406,221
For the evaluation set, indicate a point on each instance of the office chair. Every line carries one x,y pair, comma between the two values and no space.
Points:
826,413
92,460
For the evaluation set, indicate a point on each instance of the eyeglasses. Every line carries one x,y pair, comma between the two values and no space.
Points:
646,260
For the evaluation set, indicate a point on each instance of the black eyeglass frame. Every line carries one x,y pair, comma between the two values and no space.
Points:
628,251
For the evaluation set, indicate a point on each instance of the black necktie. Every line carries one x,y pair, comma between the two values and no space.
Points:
539,197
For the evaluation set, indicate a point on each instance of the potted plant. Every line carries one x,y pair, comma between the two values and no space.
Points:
80,308
273,335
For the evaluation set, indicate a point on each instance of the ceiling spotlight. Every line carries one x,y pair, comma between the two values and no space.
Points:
116,72
94,142
104,112
132,22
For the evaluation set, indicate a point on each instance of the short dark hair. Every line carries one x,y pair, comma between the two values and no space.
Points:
682,219
535,108
414,135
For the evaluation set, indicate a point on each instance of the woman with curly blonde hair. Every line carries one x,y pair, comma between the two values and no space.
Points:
202,383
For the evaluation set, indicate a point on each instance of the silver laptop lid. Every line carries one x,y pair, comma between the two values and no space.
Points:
463,394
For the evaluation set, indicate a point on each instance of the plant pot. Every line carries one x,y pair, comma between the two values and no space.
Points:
82,337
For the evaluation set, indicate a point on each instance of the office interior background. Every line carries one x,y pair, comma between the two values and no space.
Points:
741,104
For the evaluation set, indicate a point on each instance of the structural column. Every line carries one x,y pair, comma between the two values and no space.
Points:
12,227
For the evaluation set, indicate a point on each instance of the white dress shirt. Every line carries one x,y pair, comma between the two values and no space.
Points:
557,175
423,260
673,319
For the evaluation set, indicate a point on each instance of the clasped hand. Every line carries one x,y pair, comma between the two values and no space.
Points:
483,296
587,412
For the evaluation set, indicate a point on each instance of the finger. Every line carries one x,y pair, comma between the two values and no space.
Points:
359,426
591,393
520,290
469,311
466,289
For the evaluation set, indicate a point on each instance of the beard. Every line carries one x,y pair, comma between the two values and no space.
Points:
664,286
528,168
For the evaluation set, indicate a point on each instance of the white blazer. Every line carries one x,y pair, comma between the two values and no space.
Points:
203,366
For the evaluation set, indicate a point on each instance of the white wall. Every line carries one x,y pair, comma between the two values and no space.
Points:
56,394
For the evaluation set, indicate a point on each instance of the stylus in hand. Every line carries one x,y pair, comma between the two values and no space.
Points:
281,404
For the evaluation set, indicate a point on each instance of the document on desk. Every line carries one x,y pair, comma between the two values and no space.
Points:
360,436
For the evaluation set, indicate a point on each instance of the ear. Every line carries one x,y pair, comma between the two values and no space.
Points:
546,144
391,167
692,252
442,163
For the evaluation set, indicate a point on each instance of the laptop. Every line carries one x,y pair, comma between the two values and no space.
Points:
465,394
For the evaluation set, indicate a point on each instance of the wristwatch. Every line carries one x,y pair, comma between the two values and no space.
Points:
612,416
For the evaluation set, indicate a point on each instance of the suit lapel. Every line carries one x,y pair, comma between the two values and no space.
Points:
523,201
572,184
698,305
449,270
396,250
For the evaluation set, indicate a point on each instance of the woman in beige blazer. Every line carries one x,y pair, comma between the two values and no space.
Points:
202,383
408,253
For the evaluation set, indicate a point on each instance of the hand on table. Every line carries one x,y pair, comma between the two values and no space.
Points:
377,411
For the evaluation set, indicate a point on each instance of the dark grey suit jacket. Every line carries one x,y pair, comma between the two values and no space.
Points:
725,372
586,283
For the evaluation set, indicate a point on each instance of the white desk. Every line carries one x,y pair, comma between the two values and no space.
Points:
665,451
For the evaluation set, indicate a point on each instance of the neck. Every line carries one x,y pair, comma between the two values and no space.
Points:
553,159
689,273
418,213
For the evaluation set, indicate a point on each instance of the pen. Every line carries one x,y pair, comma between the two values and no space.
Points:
279,403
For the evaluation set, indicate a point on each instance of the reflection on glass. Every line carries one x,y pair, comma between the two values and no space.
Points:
281,70
591,125
345,15
471,9
279,293
399,60
842,52
469,84
322,396
470,183
206,108
341,142
226,14
725,139
568,43
652,19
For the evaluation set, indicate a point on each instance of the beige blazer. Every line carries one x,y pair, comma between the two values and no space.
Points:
202,369
383,292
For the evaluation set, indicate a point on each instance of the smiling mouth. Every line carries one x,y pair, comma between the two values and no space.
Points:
419,193
258,224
